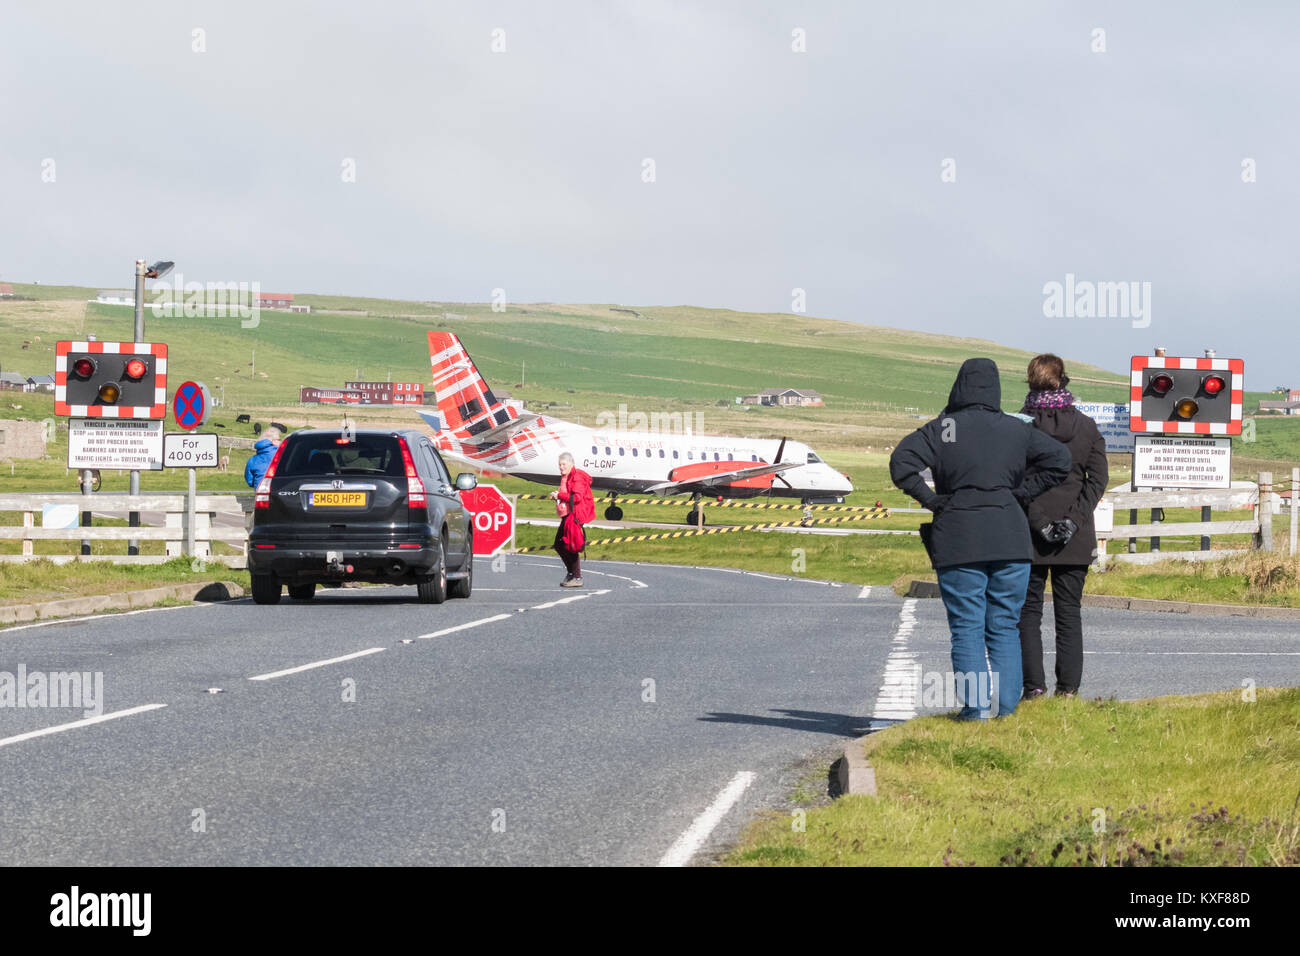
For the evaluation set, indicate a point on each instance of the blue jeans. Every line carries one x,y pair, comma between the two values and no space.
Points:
983,602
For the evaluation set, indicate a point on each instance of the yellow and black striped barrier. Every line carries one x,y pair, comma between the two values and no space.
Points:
710,503
722,529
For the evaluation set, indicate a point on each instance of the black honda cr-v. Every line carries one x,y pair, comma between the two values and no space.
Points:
360,505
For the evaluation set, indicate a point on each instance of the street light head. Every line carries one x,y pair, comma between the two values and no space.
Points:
158,270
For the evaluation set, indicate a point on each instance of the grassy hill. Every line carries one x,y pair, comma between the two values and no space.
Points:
580,360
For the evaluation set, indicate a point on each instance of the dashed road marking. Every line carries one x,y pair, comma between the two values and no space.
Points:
897,697
464,627
59,728
306,667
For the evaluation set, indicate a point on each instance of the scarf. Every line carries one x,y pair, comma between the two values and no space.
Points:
1048,398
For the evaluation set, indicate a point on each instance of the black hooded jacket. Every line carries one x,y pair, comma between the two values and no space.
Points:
980,458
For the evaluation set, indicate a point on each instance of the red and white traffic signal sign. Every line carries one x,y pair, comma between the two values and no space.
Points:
494,519
1186,396
110,379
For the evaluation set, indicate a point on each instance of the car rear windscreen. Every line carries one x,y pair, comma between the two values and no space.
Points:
312,455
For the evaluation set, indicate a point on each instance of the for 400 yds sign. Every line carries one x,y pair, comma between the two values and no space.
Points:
190,451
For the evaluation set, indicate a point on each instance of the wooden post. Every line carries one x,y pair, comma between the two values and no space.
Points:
29,521
1265,510
1295,512
1205,538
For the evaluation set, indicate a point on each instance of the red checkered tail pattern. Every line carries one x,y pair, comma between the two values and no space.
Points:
465,403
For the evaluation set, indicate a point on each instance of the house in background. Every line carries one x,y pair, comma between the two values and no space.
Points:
275,300
41,383
6,290
784,396
116,297
13,381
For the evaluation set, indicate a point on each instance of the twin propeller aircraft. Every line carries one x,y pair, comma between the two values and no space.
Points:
473,427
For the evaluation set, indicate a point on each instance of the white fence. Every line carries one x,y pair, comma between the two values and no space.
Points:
1260,497
184,533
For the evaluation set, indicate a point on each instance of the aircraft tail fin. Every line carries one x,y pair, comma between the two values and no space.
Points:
466,405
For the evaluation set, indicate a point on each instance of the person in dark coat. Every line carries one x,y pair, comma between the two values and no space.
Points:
1065,539
986,466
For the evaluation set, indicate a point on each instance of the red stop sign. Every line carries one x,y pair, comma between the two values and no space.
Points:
494,519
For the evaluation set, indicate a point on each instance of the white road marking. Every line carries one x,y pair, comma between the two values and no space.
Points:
463,627
897,697
567,600
95,617
865,592
635,582
1198,653
78,723
680,853
307,667
770,577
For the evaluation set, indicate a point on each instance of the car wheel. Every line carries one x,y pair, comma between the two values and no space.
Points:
302,592
433,589
462,587
266,589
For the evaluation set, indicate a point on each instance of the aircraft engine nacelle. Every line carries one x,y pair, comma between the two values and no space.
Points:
703,469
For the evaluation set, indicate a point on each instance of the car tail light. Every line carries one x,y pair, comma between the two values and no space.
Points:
83,368
1161,384
135,370
1213,384
415,497
262,497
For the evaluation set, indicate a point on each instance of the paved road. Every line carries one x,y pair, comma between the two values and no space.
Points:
527,739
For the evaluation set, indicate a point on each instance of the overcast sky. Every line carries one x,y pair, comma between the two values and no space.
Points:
773,170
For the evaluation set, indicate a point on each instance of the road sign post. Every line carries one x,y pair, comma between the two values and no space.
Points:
190,407
493,515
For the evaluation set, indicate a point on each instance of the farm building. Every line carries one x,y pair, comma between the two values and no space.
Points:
275,300
784,396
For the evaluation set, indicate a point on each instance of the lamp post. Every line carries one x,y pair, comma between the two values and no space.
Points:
142,272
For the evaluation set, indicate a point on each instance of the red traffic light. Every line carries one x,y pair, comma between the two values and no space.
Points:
135,369
1213,384
1161,384
83,368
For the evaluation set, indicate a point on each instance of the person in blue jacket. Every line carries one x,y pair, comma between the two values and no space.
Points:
263,452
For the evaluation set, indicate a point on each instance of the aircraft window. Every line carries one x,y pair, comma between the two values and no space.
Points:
661,453
606,449
753,458
674,452
690,456
813,459
593,450
622,450
716,456
634,453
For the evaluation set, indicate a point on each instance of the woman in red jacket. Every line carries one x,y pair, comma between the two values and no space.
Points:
574,505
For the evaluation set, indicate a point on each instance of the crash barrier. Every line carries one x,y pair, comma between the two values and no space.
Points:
710,503
1257,496
721,529
185,533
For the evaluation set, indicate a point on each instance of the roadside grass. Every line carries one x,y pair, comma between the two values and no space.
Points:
1207,780
34,581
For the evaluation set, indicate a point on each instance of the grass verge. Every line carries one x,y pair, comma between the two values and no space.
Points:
1208,780
34,581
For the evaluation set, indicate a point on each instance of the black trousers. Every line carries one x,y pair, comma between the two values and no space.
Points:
1067,594
571,559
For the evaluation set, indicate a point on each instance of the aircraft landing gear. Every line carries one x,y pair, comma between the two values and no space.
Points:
807,514
695,517
612,511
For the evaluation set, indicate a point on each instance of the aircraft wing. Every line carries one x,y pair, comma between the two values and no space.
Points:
705,482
